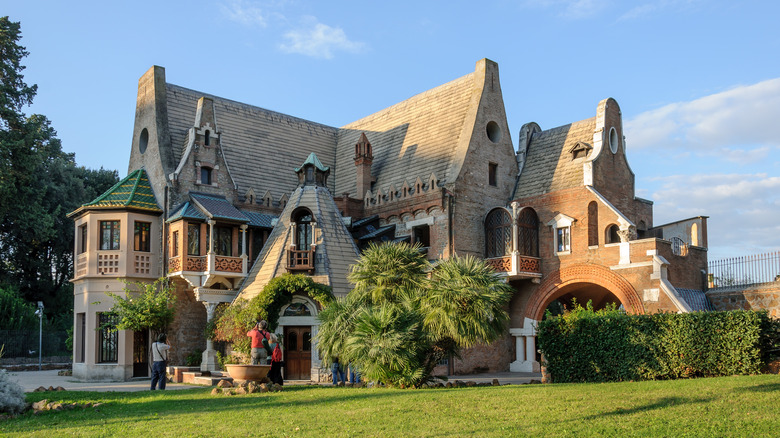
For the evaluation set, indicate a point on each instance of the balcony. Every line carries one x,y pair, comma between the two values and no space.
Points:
300,260
209,264
516,266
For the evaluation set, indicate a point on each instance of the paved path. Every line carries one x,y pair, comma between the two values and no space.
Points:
30,380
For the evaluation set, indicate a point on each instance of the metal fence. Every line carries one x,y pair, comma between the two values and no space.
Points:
24,343
741,271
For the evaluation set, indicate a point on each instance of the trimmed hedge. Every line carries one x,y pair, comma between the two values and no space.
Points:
609,345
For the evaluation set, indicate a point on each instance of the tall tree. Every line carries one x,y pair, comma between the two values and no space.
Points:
39,185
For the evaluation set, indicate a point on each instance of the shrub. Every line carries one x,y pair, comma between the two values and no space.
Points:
11,395
608,345
232,322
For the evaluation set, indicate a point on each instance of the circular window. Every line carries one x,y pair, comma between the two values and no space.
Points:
493,132
143,141
613,140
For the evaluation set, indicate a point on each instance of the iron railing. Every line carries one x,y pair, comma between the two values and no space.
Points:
741,271
24,343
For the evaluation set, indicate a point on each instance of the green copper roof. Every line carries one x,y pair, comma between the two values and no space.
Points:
134,191
315,161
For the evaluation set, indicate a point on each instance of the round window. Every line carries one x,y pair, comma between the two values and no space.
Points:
143,141
613,140
493,132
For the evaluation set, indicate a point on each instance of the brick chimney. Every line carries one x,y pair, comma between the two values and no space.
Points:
363,159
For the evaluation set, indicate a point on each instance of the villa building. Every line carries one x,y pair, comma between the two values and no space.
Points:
222,196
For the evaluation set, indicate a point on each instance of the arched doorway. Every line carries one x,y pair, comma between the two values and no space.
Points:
298,324
584,282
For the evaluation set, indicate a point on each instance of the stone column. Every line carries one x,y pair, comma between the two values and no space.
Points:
211,254
244,256
515,237
209,357
530,349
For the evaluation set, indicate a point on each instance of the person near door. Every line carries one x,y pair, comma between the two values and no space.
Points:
259,333
275,374
160,361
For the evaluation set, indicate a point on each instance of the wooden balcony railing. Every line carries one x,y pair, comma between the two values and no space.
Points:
524,265
229,264
200,264
300,260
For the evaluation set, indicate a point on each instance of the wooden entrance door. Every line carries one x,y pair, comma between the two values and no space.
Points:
141,354
297,352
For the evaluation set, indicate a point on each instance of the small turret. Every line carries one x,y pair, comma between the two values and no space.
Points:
364,157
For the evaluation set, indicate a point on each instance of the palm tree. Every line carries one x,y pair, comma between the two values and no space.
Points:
404,315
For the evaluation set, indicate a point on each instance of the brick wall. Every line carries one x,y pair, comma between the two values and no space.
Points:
187,332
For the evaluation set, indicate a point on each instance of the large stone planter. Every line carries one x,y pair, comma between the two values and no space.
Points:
248,372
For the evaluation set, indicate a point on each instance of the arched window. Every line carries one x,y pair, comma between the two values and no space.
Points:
528,232
207,140
498,233
593,224
694,235
611,236
303,229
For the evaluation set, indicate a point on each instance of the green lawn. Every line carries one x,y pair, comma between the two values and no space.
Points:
727,406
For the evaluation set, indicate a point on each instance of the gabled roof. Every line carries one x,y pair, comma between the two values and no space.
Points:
187,211
549,163
411,139
133,191
217,207
256,142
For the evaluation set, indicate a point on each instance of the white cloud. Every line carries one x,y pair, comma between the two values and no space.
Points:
743,209
319,40
741,123
244,12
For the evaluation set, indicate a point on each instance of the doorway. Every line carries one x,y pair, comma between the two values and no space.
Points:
297,353
141,354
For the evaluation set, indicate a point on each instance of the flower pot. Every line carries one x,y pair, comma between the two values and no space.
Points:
247,372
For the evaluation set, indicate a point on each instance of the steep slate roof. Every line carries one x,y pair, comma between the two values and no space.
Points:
548,162
259,219
187,211
335,248
217,207
256,142
696,299
410,139
133,191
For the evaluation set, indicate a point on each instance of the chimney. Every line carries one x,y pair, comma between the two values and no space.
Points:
363,160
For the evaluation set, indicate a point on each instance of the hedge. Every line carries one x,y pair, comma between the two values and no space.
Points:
609,345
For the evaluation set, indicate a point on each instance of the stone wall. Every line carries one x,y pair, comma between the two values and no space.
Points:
764,296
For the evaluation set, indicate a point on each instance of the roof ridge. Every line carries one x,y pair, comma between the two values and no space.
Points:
413,98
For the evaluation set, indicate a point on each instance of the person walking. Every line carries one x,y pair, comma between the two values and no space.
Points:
338,371
160,361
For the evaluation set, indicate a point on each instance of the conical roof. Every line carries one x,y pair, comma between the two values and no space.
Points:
335,249
133,191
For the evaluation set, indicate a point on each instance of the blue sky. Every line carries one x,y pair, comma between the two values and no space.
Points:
698,81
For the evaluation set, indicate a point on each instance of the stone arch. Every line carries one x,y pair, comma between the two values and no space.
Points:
555,283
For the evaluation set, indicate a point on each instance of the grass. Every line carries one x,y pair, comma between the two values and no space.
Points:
725,406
